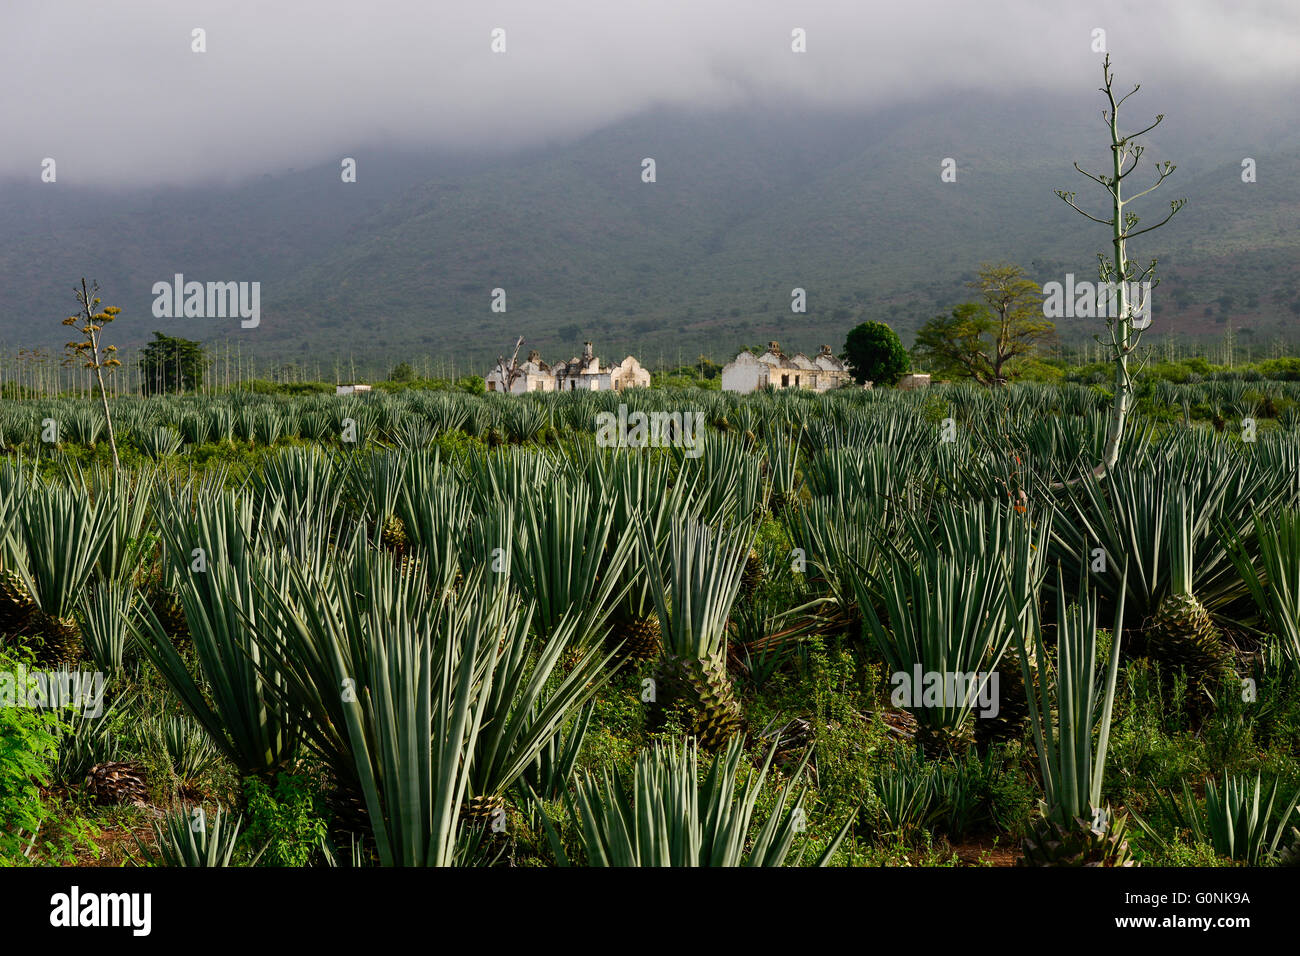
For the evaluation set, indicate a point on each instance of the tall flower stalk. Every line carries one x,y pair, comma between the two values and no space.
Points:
95,355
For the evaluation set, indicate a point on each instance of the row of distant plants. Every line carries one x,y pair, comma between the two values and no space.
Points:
161,425
706,374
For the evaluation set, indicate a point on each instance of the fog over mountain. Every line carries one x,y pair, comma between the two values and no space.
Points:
118,93
522,169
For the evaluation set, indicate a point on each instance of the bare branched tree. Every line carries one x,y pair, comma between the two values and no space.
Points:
510,371
1125,324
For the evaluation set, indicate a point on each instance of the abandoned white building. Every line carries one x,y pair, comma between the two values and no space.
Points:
532,375
583,374
629,374
577,374
832,371
749,372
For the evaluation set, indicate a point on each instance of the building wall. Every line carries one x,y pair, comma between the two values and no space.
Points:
495,382
744,375
748,373
629,374
786,377
585,383
829,378
583,375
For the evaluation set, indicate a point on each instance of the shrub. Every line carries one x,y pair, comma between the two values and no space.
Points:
288,820
876,354
29,746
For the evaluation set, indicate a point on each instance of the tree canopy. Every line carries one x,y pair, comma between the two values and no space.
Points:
875,354
987,340
171,364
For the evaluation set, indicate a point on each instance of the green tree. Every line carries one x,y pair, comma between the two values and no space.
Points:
953,345
987,341
709,369
402,372
170,364
875,354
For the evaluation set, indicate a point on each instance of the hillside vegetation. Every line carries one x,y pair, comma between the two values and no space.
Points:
746,207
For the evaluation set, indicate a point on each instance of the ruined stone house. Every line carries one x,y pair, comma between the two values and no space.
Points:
583,373
749,373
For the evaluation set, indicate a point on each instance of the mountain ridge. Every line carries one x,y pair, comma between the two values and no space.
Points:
746,207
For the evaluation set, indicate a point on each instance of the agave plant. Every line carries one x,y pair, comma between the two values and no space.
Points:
490,544
567,558
890,474
726,483
527,700
130,495
301,493
270,425
222,419
641,495
232,693
374,485
907,791
160,442
246,424
186,837
64,532
524,421
944,617
703,577
948,614
1127,516
84,426
86,739
301,478
548,776
189,749
767,631
1182,635
315,426
196,428
1076,827
782,473
840,540
428,705
1275,584
446,413
495,477
104,617
673,818
397,717
1235,820
1084,699
434,508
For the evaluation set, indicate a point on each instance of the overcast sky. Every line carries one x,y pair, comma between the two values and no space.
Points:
113,92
